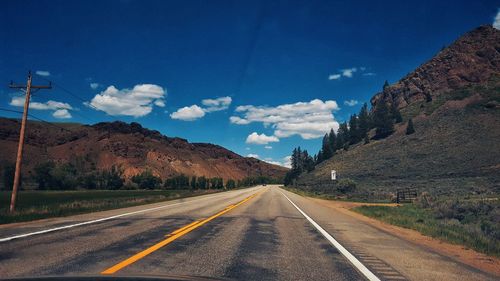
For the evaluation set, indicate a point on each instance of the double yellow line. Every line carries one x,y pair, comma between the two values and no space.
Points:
172,237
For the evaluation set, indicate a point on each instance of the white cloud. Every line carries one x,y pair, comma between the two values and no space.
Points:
62,114
307,119
287,161
270,161
261,139
60,108
350,102
238,120
136,102
160,103
94,86
496,23
253,155
217,104
188,113
193,112
348,72
334,77
42,72
268,147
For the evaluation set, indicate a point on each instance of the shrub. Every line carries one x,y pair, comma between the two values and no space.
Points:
346,185
8,176
230,184
146,180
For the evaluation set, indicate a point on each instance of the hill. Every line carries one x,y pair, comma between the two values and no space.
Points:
454,101
134,148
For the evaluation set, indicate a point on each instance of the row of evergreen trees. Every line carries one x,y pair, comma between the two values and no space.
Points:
382,119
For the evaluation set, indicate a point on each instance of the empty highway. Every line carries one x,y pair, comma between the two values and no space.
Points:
259,233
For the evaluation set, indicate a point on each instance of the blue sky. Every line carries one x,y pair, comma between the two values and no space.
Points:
257,77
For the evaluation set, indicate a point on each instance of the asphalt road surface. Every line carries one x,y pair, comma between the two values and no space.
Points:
260,233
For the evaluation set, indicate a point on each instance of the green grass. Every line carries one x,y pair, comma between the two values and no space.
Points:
32,205
470,234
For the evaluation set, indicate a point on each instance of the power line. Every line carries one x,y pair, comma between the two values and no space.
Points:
56,85
37,118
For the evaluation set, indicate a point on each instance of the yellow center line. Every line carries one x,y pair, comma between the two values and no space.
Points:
172,237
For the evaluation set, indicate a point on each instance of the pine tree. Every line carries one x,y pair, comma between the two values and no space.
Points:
319,157
354,130
409,128
342,135
325,148
386,84
294,159
382,120
332,139
364,121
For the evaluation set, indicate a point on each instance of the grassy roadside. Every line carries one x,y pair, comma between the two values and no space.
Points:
474,228
33,205
325,196
472,222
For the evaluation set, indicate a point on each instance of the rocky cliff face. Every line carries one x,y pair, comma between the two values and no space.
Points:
472,59
130,146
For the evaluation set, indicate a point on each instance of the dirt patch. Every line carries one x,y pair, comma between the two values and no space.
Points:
456,252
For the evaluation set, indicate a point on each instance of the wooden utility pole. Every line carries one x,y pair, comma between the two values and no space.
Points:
17,176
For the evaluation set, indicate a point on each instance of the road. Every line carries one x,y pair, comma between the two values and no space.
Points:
259,233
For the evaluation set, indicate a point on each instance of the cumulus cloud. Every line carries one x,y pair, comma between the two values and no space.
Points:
193,112
350,102
261,139
334,76
496,23
253,155
42,72
61,109
308,119
188,113
62,114
348,72
287,161
94,86
136,102
217,104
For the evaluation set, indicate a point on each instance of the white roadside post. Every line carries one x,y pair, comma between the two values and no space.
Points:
334,175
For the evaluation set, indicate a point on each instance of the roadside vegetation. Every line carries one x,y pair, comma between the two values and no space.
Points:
474,223
55,189
32,205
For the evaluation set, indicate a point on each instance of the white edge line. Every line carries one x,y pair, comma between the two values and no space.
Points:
361,267
97,220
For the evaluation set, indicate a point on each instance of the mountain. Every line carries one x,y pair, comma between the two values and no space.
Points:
470,60
130,146
454,102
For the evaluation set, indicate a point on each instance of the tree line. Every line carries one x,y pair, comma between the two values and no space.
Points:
355,130
67,176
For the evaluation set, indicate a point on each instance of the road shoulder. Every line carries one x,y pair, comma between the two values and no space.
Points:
455,252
